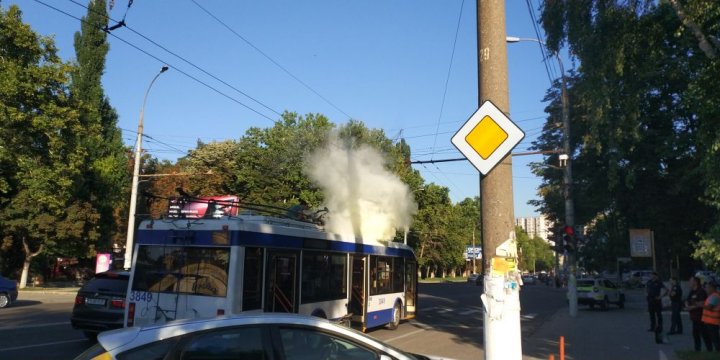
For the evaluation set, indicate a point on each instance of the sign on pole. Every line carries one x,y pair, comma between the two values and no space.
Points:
487,137
641,243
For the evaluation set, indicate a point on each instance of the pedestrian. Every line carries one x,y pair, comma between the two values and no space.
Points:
695,300
656,290
711,317
676,305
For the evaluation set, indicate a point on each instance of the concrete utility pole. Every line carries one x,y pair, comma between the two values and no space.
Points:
136,178
569,207
502,315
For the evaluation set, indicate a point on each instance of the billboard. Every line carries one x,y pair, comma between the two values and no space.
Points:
203,207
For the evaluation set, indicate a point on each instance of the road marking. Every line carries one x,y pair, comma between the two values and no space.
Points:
41,345
470,312
405,335
35,325
528,316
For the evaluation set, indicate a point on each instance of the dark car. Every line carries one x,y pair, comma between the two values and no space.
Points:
8,292
100,304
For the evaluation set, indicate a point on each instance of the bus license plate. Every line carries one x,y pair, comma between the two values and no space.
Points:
95,301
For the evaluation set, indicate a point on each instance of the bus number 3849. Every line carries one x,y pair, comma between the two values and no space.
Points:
141,296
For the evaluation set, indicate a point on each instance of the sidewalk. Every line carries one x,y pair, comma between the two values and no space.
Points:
50,292
614,334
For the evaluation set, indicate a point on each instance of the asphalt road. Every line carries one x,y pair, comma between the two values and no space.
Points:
449,323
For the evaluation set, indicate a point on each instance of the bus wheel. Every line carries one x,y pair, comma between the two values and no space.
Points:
395,317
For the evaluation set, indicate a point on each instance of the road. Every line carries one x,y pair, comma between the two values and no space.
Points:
449,323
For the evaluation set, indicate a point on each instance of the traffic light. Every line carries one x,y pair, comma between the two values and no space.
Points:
569,239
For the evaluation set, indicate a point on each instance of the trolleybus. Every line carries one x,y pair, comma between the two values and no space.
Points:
186,268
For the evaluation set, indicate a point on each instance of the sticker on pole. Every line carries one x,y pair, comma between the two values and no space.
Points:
487,137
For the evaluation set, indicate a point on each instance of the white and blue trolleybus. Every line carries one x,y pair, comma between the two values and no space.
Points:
201,267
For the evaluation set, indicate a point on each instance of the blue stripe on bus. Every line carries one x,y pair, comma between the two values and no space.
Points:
377,318
249,238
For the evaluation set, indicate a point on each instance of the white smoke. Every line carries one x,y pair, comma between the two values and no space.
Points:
364,198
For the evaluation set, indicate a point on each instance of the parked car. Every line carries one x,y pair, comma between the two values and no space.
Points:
8,292
529,279
100,304
638,278
473,278
599,291
705,276
244,336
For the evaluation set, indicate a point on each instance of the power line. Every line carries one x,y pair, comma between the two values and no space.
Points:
161,61
447,78
533,18
180,57
271,59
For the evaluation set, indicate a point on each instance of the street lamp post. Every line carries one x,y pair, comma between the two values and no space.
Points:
136,177
567,179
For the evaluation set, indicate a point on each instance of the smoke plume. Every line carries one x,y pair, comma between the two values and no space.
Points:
364,198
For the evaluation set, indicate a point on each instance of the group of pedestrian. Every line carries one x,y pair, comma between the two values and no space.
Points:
702,304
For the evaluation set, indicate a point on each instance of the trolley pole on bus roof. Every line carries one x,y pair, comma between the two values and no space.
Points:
501,297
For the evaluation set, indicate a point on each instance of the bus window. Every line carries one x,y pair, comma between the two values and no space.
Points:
381,268
323,276
252,279
185,270
398,275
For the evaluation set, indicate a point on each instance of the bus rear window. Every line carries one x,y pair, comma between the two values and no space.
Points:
182,269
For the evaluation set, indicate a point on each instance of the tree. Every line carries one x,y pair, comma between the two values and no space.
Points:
636,122
40,159
104,179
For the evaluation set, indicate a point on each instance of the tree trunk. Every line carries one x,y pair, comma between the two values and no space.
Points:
24,275
26,264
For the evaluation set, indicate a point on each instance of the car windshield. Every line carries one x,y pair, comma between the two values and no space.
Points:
106,284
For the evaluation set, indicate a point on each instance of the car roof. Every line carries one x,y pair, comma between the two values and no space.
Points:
114,339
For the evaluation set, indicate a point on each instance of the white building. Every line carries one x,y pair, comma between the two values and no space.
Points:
536,225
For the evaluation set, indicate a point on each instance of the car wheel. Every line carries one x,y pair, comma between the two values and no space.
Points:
4,300
395,317
604,304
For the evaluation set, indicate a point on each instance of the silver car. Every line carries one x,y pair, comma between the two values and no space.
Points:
246,336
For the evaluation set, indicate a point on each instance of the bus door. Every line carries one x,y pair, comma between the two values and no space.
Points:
281,283
358,285
410,288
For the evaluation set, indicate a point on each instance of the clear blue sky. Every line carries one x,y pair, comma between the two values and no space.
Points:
385,63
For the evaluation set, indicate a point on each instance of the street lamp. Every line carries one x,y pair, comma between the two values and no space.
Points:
567,177
136,177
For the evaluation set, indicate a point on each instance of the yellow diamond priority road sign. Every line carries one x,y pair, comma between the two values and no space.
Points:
487,137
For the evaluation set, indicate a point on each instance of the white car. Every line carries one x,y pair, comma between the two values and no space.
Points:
245,336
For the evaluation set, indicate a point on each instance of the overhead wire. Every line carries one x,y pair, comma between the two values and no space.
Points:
181,58
270,59
541,44
447,77
162,61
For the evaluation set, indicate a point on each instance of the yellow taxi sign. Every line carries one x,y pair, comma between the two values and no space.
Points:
487,137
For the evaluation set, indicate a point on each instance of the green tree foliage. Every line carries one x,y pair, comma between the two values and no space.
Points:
430,232
103,181
535,253
641,123
40,157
